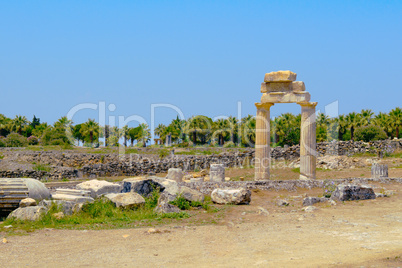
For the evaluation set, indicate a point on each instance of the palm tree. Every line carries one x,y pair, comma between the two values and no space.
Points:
90,130
220,128
144,134
18,124
125,132
201,125
63,122
384,121
247,127
396,120
4,125
353,122
160,131
342,124
233,126
366,117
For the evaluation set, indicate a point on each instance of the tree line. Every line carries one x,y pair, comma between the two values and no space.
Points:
200,130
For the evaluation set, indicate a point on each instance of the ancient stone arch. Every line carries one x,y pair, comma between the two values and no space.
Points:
281,87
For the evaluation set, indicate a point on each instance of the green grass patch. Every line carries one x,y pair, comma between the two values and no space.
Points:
41,167
364,155
297,170
101,214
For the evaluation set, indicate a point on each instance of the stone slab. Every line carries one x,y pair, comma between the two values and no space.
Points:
280,76
282,97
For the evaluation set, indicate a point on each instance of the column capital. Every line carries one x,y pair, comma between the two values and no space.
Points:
308,104
265,105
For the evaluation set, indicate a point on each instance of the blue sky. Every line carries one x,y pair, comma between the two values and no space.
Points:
201,56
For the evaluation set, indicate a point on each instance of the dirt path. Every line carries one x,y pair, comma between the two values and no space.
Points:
363,233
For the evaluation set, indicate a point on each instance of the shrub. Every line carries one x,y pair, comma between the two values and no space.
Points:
33,140
16,140
370,133
2,142
229,144
163,153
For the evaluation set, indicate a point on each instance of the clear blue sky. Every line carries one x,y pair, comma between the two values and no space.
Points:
201,56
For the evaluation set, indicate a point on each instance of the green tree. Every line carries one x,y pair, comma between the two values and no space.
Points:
144,134
125,133
353,122
77,133
18,124
90,131
396,120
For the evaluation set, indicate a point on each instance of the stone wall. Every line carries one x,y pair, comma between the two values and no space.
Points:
72,165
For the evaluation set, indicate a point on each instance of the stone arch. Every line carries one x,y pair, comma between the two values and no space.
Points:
282,87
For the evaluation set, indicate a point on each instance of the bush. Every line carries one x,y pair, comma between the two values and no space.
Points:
369,133
163,153
229,144
33,140
16,140
2,142
54,136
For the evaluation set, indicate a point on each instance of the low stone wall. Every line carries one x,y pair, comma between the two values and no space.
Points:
289,185
72,165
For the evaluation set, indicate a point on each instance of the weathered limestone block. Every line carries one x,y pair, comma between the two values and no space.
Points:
286,97
68,207
191,194
166,208
379,171
296,87
145,186
77,196
126,200
280,76
28,213
175,174
99,188
234,196
217,173
349,192
27,202
276,87
309,201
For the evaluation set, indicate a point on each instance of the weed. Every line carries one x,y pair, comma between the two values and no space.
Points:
41,167
1,156
163,153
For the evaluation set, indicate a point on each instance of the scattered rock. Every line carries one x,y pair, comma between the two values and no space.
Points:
310,209
145,186
166,208
175,174
217,173
262,211
348,192
27,202
332,202
99,188
233,196
282,203
4,241
309,201
58,215
126,200
28,213
67,207
190,194
153,231
199,179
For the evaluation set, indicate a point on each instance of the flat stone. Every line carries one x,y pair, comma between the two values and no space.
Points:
175,174
285,97
276,87
280,76
231,196
99,187
27,202
282,203
298,86
28,213
166,208
73,198
145,186
310,209
191,194
309,201
349,192
126,200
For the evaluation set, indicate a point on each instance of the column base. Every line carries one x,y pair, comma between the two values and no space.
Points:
261,176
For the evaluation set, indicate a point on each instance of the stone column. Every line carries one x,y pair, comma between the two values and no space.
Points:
262,141
308,141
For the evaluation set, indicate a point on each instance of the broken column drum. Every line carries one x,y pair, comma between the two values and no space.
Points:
281,87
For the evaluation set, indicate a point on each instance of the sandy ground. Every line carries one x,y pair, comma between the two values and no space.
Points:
351,234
